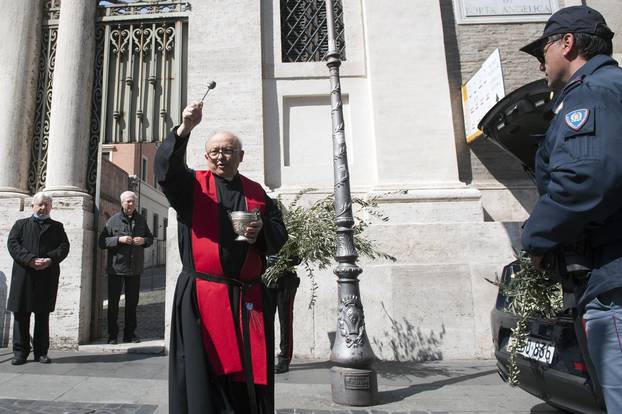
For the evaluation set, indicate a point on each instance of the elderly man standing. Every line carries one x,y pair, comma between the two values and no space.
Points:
222,342
579,177
37,245
125,236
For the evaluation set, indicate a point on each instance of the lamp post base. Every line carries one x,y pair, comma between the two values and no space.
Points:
351,386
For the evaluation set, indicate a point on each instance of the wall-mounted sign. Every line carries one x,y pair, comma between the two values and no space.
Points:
480,93
503,11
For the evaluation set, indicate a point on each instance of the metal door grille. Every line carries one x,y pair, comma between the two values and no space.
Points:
145,38
39,149
142,70
143,82
303,30
96,104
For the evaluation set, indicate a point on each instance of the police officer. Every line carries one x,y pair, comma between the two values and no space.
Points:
579,177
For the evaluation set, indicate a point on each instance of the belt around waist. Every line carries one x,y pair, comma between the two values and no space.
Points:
223,279
613,296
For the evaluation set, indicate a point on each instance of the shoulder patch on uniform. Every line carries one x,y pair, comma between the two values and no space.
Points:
577,118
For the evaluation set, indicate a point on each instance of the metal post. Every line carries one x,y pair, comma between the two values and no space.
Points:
353,381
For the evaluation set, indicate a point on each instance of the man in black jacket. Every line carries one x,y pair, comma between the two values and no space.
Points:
37,245
125,236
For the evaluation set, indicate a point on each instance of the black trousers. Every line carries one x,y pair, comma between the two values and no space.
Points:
132,289
283,298
21,334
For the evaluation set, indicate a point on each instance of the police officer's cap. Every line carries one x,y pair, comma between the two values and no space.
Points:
573,19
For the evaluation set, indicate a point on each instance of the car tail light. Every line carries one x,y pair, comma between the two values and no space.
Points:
580,366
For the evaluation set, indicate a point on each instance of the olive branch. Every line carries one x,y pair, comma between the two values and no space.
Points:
530,294
312,236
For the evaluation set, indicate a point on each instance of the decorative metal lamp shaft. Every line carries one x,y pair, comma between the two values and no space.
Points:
353,382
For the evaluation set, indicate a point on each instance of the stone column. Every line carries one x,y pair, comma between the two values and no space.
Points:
20,31
71,99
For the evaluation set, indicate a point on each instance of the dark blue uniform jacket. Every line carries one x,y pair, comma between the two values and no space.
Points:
579,174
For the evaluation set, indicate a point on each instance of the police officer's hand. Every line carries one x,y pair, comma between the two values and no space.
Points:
191,117
138,241
126,240
252,230
537,262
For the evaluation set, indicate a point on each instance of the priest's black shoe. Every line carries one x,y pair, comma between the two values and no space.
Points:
281,366
18,361
113,341
44,359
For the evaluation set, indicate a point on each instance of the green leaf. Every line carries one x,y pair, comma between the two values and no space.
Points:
530,294
312,236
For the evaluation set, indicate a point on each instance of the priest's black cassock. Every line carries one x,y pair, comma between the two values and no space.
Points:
221,354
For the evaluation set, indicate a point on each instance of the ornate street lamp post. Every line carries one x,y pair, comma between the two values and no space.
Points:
353,381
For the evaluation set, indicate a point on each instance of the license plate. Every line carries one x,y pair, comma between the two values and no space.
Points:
538,350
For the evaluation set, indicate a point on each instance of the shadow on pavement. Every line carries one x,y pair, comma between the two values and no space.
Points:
388,369
545,408
296,366
396,369
109,358
403,393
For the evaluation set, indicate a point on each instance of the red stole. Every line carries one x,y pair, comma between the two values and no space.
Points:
219,329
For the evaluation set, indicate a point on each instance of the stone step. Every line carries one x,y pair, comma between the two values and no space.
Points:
150,346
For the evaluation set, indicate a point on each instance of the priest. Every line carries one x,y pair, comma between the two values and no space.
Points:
222,340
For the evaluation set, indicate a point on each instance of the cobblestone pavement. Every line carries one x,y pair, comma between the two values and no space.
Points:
150,311
119,383
57,407
153,278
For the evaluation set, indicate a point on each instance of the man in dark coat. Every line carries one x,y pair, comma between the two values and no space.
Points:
125,236
37,245
222,343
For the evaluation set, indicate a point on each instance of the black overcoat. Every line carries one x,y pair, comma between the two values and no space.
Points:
35,290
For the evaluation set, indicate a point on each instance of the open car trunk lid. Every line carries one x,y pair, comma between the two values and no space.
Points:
515,120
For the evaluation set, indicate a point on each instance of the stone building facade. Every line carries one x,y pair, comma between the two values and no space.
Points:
455,209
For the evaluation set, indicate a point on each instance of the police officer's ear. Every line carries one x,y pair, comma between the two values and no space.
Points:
568,46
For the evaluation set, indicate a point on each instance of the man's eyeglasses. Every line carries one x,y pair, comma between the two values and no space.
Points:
225,152
548,44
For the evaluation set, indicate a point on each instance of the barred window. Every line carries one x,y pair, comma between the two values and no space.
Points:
304,36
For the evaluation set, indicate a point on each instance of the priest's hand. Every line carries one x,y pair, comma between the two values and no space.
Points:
191,117
138,241
252,230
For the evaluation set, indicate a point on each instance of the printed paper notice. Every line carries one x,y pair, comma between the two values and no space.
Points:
481,93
